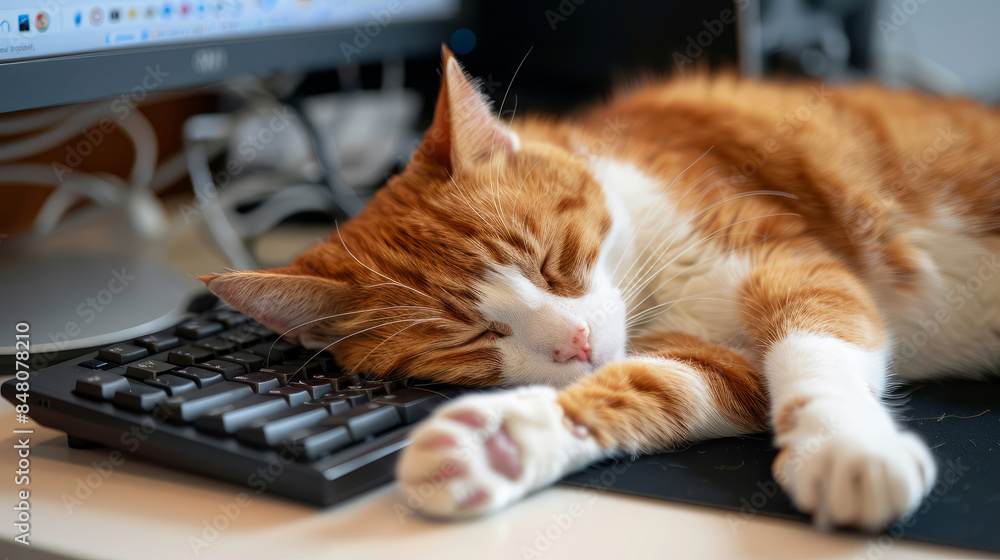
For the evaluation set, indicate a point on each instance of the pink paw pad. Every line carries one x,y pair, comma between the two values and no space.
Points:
477,498
469,418
504,454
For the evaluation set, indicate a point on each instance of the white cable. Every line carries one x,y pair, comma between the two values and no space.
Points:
26,123
69,128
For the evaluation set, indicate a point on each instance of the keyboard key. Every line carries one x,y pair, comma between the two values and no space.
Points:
230,319
333,404
273,429
189,355
197,329
259,382
370,388
228,370
139,396
227,418
190,405
310,369
217,345
279,350
260,330
412,404
172,384
158,342
294,396
250,362
241,339
340,382
317,387
284,373
317,441
122,353
366,420
147,369
100,385
355,398
201,377
95,364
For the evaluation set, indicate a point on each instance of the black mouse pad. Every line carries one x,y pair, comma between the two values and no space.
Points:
960,421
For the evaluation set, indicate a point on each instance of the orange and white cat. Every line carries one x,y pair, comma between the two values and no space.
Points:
694,259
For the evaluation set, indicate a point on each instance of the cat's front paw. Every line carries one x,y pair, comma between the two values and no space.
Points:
483,452
855,475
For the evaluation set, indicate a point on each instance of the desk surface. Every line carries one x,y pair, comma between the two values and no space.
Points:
139,510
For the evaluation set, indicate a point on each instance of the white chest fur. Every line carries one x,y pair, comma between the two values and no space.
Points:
671,277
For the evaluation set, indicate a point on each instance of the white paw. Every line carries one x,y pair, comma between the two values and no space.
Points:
854,473
483,452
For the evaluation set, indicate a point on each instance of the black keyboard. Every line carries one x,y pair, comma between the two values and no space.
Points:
222,395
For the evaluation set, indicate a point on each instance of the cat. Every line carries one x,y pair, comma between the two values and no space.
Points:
698,258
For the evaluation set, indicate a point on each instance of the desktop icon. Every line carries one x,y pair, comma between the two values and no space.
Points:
150,11
4,26
78,18
96,16
114,14
23,23
41,21
131,13
267,5
166,11
185,8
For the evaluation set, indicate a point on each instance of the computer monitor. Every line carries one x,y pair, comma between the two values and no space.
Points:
54,52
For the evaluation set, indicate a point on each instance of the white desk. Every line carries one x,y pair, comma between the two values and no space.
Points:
144,512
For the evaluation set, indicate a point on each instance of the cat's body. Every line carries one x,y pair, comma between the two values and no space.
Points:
703,258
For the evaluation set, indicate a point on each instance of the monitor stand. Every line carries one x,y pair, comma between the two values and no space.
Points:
75,302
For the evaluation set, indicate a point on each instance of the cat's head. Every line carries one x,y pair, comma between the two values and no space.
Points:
484,262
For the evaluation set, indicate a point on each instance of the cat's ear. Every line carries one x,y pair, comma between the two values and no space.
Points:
281,299
464,130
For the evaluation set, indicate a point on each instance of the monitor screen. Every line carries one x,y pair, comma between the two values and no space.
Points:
104,46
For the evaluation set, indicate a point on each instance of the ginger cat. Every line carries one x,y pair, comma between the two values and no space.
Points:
695,259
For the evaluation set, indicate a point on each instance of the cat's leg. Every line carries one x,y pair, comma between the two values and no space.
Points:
483,452
824,354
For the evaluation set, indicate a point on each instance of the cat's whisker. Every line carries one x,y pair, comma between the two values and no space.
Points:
661,202
634,294
496,196
679,228
513,210
706,238
379,273
328,346
471,207
500,110
415,323
328,317
657,251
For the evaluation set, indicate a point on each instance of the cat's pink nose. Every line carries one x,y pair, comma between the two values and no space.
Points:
577,346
